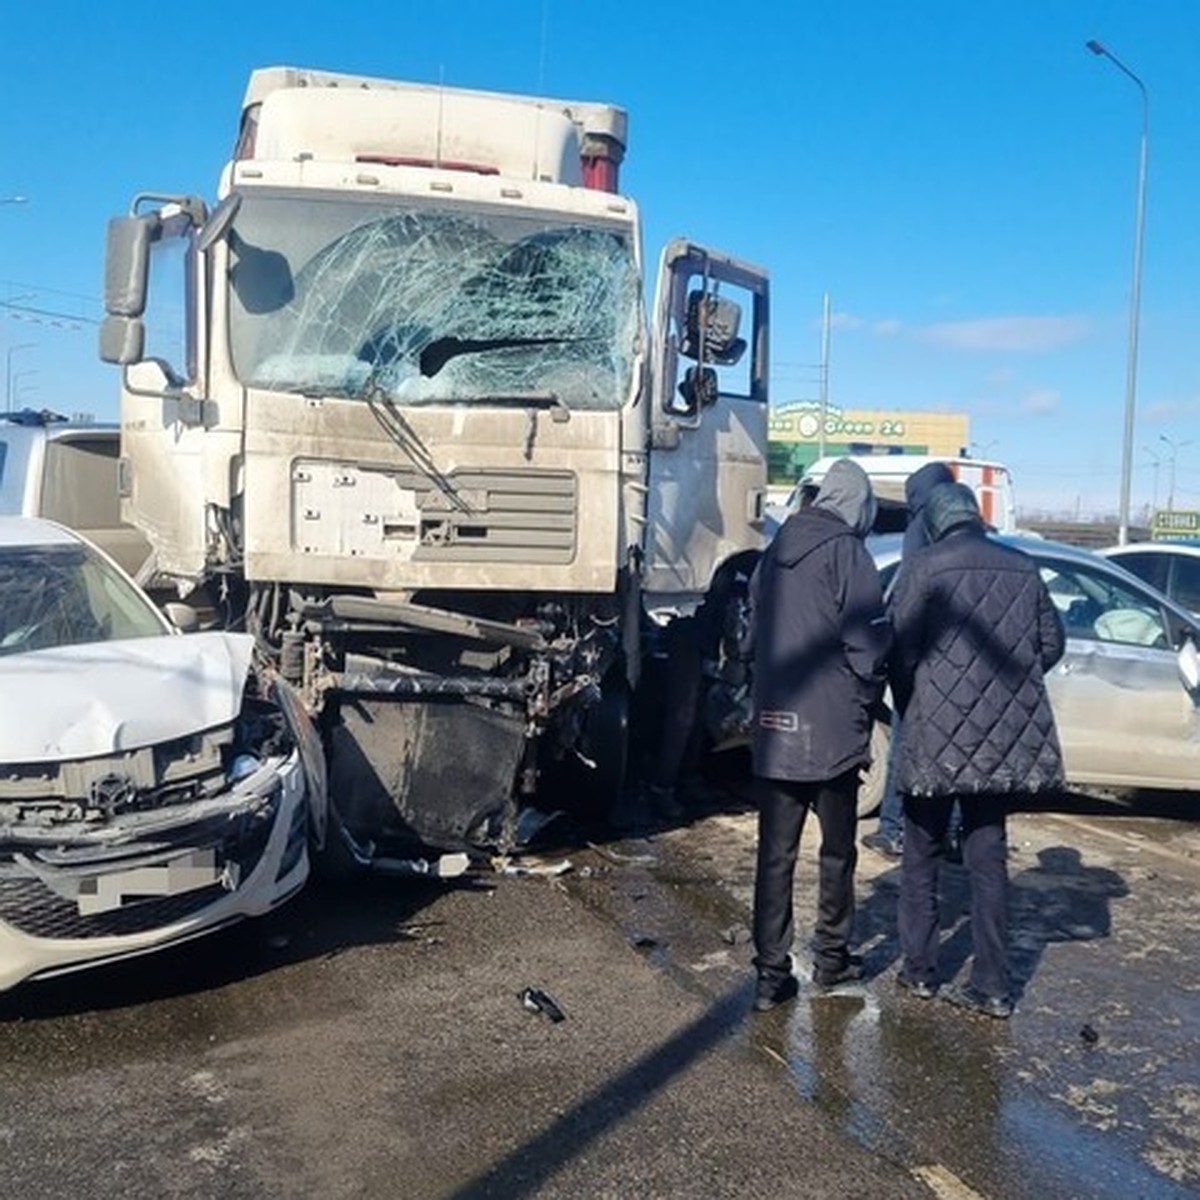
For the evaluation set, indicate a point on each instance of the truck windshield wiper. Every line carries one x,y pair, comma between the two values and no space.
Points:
391,421
441,350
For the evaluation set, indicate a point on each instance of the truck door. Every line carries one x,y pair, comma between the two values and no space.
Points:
154,330
708,420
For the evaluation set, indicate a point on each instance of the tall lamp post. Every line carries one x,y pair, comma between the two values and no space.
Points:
8,372
1175,447
1136,297
1155,462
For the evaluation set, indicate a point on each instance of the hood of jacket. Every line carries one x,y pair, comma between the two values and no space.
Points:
844,507
920,483
951,505
846,492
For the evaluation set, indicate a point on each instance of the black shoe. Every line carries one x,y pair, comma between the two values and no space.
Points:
964,995
848,972
882,844
773,992
663,802
917,988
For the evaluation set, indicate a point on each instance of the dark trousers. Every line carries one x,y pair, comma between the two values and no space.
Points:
985,854
782,807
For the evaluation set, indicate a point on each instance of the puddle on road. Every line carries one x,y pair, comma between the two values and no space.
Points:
1033,1106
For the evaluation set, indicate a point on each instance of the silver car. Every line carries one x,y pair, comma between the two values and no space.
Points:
1172,568
153,786
1124,695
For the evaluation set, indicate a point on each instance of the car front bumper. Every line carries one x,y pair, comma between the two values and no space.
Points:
149,880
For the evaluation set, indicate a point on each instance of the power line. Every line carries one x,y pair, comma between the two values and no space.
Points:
44,316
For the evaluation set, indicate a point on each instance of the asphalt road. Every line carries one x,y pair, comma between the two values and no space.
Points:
370,1041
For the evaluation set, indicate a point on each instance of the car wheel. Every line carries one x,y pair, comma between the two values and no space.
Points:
870,788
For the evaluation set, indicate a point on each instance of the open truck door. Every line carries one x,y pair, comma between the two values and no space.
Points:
708,424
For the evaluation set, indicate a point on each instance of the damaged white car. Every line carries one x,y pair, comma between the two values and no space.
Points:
153,786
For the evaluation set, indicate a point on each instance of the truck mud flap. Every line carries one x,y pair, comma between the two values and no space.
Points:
431,774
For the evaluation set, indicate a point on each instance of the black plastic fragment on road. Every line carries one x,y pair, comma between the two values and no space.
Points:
535,1000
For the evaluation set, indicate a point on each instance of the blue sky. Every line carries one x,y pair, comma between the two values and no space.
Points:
959,176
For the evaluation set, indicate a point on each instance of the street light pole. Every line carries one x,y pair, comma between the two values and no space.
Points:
824,413
1136,297
1175,447
1155,462
8,372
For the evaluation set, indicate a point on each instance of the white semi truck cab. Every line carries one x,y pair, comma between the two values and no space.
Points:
395,405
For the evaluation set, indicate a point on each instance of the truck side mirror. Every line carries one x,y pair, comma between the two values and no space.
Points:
127,264
698,389
711,330
122,340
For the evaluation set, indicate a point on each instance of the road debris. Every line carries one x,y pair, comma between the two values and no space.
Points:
535,1000
624,860
502,864
447,866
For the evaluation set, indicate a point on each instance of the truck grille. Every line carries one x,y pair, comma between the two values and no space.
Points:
484,516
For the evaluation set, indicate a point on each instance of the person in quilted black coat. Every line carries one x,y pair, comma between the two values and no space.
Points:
820,639
975,632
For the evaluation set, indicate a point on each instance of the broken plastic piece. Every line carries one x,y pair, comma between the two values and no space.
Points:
535,1000
506,866
448,866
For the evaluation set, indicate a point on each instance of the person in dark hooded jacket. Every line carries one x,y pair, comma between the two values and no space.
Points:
820,641
975,631
888,839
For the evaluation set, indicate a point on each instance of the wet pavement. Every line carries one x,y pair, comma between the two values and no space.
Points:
372,1042
1093,1087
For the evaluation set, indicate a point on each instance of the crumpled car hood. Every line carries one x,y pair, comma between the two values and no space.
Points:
75,702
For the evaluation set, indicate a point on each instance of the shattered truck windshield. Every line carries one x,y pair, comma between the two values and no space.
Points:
337,297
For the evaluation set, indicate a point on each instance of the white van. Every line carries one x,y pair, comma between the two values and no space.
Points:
990,481
67,471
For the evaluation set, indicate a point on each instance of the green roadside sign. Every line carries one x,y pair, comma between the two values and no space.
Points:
1172,525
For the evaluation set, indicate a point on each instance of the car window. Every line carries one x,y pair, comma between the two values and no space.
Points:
1185,581
1146,565
1095,606
79,486
66,595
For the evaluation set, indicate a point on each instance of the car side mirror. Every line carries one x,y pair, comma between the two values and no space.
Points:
1188,661
183,616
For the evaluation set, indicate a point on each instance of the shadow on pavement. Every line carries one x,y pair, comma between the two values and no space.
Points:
1061,899
527,1169
323,921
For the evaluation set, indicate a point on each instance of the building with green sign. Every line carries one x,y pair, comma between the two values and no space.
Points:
795,442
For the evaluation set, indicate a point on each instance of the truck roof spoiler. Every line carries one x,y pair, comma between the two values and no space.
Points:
601,129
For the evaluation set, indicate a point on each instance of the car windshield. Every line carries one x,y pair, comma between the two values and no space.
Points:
425,304
64,595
